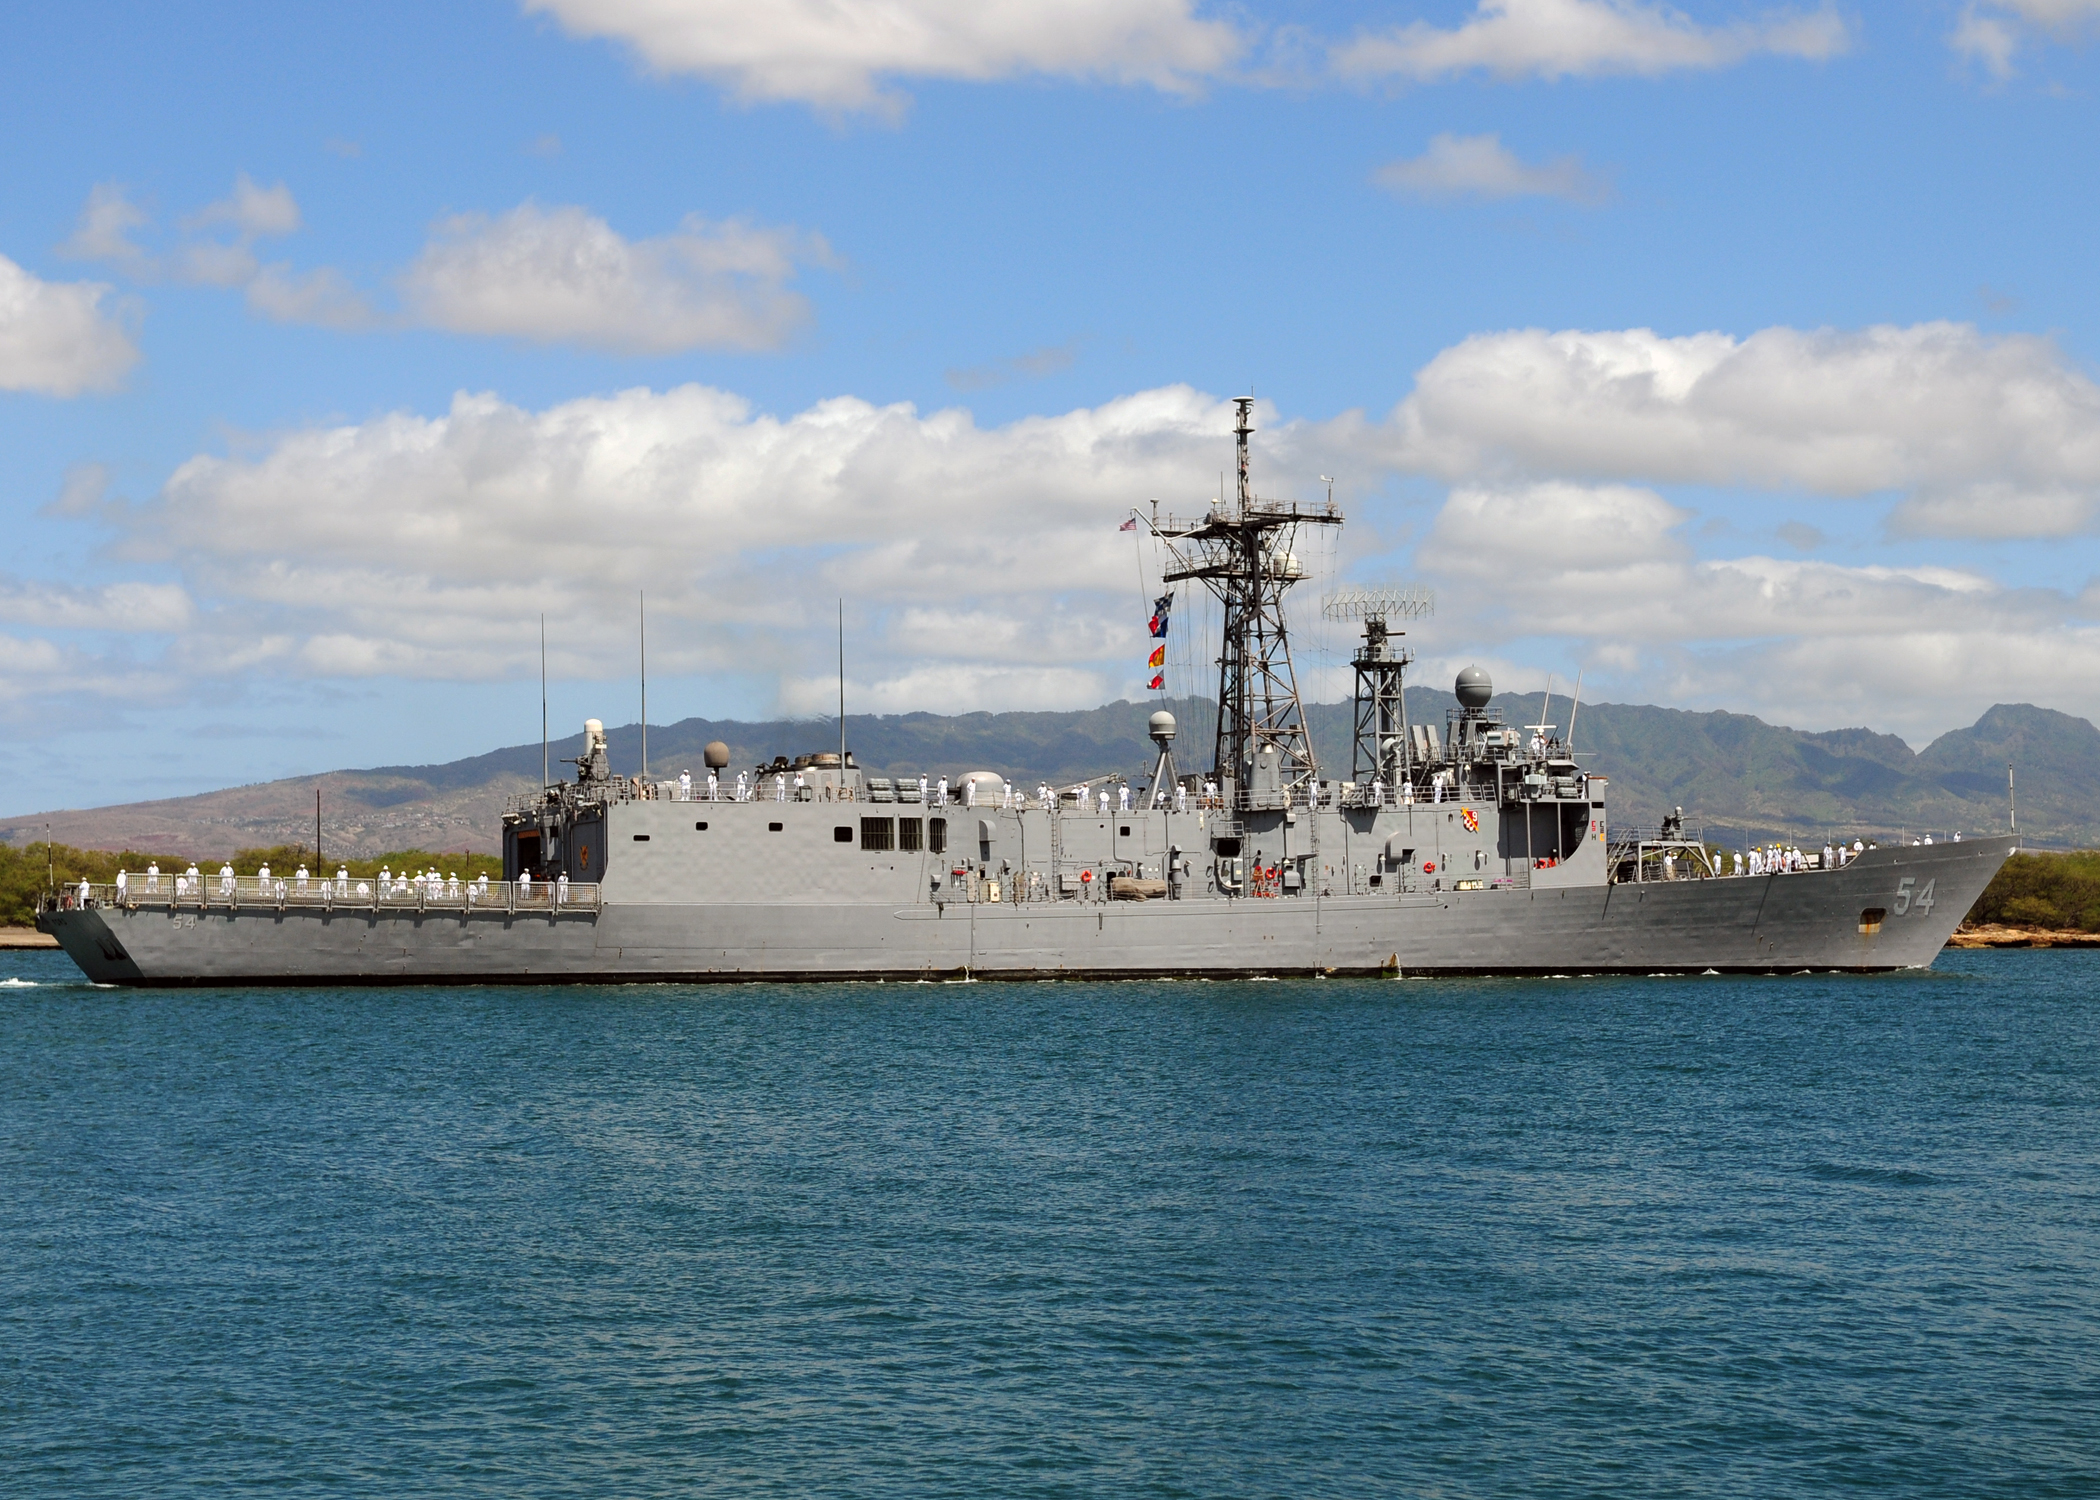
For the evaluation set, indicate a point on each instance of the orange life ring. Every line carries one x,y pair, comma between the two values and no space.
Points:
1086,877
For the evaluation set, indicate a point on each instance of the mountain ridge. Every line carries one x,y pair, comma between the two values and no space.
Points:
1734,774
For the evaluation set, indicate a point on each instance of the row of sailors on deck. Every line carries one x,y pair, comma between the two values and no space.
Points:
1785,859
431,884
1780,859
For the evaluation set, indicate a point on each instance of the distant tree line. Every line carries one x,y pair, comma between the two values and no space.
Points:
27,871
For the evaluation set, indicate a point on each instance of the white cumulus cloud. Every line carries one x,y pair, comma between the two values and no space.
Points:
1914,650
1991,32
255,212
563,275
1582,38
109,221
839,54
409,545
57,338
123,607
983,568
1981,435
1480,166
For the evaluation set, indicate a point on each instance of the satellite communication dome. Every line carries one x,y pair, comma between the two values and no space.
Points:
1473,688
717,755
1161,726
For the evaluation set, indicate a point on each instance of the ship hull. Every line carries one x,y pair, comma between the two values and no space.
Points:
1777,923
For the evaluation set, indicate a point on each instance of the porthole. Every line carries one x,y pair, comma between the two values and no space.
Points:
641,838
774,827
842,835
699,828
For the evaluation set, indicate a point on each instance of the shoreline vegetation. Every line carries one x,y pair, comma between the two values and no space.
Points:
2038,900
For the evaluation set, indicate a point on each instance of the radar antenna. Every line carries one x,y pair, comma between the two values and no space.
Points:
1384,739
1242,551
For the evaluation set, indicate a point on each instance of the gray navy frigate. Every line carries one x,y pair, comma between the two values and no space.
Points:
1470,847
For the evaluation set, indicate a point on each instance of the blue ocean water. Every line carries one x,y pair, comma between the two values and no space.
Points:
1723,1236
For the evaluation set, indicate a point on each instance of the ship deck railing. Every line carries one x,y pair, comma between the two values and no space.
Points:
212,893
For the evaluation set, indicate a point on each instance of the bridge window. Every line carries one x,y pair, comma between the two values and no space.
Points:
877,833
910,835
641,838
842,835
699,828
774,827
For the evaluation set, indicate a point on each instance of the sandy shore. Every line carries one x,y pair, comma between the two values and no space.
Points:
26,937
1992,935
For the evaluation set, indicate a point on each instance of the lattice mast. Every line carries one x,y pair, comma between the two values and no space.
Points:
1243,552
1384,746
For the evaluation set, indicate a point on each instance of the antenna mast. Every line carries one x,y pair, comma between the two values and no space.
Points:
1242,553
842,690
1384,740
543,702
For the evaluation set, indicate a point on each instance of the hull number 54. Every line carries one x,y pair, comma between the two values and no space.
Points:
1906,898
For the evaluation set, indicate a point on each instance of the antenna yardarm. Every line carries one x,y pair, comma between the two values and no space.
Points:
1243,551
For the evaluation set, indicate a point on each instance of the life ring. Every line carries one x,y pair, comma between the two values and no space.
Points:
1086,877
1428,867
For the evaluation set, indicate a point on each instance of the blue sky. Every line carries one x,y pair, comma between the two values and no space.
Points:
1734,357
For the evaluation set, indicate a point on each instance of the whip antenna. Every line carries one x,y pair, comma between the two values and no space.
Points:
643,599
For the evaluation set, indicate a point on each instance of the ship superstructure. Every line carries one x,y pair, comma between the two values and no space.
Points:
1474,846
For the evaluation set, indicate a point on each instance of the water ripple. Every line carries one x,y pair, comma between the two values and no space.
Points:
1704,1236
